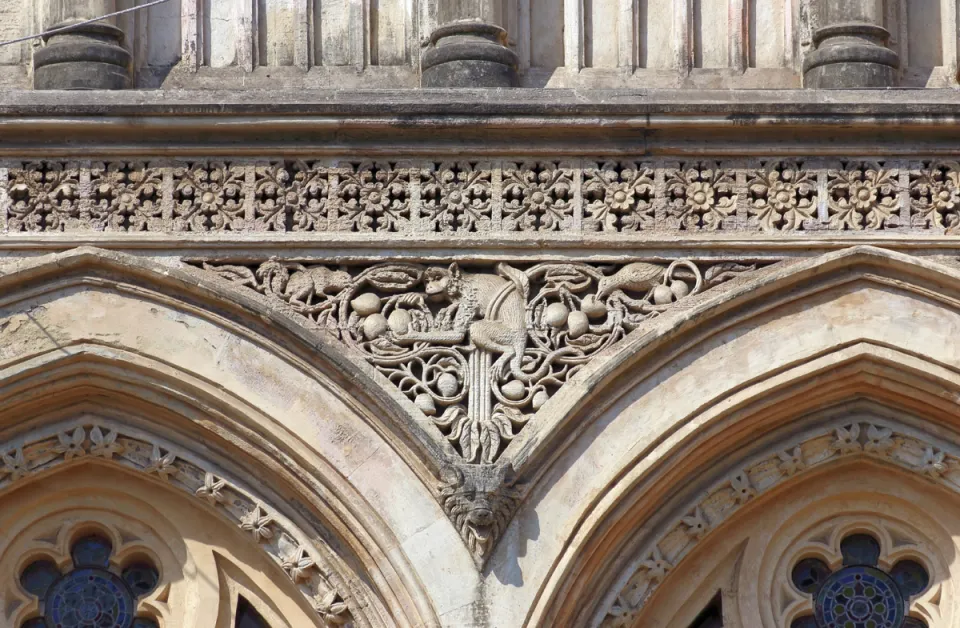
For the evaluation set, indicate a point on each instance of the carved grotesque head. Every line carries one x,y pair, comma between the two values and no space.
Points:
442,282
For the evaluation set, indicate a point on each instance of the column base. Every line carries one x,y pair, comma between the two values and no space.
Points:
89,57
849,56
469,54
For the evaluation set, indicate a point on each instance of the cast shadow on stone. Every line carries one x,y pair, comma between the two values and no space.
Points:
513,546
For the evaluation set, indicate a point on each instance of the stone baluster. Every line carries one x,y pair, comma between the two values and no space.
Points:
851,47
468,49
88,57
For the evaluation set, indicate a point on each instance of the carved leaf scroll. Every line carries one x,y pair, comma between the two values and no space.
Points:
479,350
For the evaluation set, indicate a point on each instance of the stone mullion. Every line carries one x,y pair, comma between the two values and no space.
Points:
85,202
166,194
742,214
333,198
414,224
823,199
903,179
4,195
577,196
496,194
249,185
660,197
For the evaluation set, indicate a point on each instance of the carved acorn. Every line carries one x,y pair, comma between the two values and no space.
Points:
662,295
366,304
593,307
578,324
513,390
374,326
556,315
399,321
447,384
424,402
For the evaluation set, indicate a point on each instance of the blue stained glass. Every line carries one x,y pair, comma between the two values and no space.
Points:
89,598
860,549
910,576
38,576
92,551
859,597
141,578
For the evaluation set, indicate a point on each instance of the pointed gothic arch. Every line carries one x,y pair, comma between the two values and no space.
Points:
93,330
700,385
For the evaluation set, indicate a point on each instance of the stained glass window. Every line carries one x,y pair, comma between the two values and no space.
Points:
89,594
248,617
859,594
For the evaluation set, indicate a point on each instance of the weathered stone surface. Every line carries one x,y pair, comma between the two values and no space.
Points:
468,53
474,357
90,56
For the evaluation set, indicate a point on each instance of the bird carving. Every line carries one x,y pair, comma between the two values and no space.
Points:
635,277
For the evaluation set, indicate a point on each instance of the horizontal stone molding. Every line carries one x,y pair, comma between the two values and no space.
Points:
478,199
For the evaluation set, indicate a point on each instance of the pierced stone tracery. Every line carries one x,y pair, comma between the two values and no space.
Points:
93,592
270,530
859,593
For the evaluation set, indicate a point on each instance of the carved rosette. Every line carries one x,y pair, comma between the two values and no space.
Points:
472,198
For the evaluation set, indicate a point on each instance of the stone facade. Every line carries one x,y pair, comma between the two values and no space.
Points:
480,313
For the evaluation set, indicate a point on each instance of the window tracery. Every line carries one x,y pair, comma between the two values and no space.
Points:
92,590
859,592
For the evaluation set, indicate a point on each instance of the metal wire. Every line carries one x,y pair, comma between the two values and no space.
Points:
78,24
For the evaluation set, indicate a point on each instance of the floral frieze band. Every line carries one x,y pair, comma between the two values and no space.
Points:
480,197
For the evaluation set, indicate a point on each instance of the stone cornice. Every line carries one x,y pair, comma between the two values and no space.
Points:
554,122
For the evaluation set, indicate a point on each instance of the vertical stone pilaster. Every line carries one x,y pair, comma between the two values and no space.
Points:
851,47
468,49
90,56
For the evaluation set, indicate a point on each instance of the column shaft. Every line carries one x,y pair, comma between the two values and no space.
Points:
87,57
469,48
851,47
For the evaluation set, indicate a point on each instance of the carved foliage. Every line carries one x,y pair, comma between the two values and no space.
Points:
782,196
457,197
41,451
126,197
537,196
619,196
701,196
291,197
863,195
469,196
44,196
935,194
208,197
373,196
907,451
479,350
